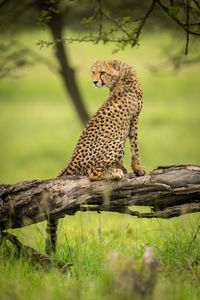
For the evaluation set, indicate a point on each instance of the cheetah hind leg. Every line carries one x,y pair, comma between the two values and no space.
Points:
120,164
109,174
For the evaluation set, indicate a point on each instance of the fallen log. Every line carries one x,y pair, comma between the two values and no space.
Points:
169,191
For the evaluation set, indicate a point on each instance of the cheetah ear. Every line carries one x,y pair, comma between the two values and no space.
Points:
114,64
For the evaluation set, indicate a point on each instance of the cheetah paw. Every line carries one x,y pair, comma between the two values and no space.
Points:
139,170
114,174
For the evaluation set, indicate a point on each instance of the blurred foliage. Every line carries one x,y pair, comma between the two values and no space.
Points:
24,16
14,17
119,22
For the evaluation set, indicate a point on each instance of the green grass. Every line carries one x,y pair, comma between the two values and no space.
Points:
39,129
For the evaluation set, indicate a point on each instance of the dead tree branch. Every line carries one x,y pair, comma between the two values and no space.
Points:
30,253
169,192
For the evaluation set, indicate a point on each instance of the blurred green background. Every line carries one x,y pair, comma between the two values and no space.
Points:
39,126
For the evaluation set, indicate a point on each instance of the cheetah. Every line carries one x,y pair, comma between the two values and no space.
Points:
101,144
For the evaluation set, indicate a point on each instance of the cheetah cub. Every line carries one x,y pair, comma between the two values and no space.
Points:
101,145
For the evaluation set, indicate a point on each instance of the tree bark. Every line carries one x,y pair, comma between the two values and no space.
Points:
170,192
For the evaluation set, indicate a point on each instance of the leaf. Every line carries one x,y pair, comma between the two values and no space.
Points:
88,21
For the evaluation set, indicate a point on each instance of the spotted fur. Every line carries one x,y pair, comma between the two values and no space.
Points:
101,144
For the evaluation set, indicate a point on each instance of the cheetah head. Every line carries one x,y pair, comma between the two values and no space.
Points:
105,73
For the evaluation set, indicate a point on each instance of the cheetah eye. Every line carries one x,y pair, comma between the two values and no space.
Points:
102,73
92,72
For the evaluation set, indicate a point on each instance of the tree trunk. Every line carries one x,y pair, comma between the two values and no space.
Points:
170,192
56,27
68,76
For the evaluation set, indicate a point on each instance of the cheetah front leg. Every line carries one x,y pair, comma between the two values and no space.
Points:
135,165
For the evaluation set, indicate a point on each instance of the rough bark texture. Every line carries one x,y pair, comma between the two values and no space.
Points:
170,192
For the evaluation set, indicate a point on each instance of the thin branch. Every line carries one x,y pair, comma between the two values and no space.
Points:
15,55
119,26
174,62
138,32
197,4
193,239
29,252
168,213
85,39
166,9
2,3
39,57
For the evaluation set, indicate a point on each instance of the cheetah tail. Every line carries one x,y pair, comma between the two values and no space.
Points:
65,171
51,230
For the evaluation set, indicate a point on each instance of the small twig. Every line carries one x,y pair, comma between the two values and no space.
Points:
193,239
187,32
100,18
70,253
192,271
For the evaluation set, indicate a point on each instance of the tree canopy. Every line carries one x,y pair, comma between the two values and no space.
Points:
118,22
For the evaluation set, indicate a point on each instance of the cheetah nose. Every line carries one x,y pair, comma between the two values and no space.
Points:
95,82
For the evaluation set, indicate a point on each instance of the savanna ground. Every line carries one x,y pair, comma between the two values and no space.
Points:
39,129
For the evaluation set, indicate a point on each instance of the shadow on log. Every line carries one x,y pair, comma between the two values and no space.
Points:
170,192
